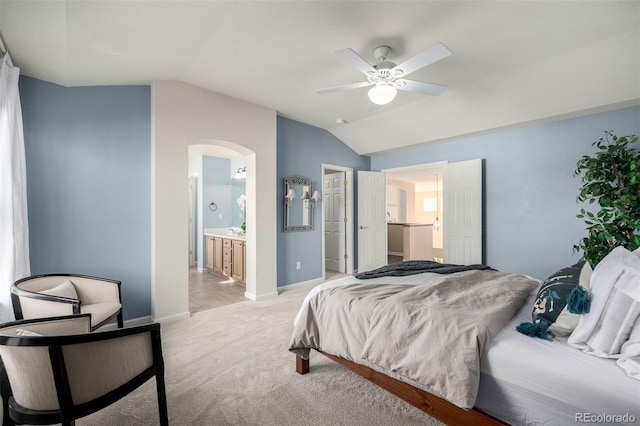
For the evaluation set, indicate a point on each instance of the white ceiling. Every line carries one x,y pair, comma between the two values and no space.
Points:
513,62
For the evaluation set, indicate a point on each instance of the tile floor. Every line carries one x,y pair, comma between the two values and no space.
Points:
208,290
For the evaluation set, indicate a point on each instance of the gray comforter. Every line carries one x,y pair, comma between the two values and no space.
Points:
431,336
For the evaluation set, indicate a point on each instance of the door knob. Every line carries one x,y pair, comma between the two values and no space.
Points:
362,227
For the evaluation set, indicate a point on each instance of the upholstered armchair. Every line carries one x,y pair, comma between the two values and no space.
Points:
51,295
56,371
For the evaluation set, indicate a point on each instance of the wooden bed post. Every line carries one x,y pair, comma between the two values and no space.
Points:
302,365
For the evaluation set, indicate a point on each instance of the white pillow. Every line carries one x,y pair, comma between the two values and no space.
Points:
615,304
66,289
631,348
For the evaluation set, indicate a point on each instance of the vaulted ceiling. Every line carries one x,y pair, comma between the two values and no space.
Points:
512,62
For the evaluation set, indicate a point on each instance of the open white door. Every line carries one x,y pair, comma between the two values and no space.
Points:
372,221
333,200
462,214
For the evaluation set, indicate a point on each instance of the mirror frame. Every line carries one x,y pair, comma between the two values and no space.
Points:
288,182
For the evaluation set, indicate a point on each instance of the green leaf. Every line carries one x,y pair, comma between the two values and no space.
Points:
610,180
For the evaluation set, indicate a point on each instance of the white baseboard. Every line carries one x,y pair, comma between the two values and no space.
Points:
286,287
173,318
255,298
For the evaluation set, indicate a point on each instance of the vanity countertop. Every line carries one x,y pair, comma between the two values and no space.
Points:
225,233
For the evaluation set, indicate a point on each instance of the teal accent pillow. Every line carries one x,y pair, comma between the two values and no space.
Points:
560,301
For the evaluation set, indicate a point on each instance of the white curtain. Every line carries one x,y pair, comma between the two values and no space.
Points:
14,230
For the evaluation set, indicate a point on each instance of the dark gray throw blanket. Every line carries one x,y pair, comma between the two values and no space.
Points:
412,267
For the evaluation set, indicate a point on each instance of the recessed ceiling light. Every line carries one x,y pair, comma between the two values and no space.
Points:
341,121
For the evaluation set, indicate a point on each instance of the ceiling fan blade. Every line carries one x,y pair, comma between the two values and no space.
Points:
356,60
433,54
344,87
421,87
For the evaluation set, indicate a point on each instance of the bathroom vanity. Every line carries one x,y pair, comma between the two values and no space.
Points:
226,253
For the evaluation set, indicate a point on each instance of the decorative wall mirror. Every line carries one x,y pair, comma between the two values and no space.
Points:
298,206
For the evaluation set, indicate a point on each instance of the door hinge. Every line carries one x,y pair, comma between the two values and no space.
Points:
346,182
346,219
346,256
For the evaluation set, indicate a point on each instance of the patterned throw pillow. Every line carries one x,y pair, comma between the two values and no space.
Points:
560,301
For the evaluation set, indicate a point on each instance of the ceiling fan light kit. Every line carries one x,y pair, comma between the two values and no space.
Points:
387,77
382,93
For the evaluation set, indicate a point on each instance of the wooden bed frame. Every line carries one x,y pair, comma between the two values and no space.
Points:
434,406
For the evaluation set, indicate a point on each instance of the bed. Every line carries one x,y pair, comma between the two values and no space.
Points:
521,380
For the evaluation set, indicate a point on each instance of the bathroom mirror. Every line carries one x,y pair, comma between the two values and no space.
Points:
297,204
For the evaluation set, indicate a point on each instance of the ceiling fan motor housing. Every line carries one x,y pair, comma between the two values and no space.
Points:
381,53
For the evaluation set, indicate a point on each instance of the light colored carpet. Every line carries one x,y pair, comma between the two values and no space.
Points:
230,366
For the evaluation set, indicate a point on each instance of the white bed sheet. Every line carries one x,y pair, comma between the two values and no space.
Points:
527,381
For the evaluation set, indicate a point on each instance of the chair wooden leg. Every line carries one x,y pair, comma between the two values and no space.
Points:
120,320
6,393
162,400
160,386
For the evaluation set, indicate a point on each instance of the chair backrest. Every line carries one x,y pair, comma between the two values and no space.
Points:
64,295
39,283
76,374
27,361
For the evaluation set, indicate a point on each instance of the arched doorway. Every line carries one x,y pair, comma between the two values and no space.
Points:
182,115
215,186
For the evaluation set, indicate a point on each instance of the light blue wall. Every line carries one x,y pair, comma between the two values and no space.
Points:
302,149
216,188
530,191
88,153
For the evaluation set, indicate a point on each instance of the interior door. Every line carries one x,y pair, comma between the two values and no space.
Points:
333,200
462,214
372,222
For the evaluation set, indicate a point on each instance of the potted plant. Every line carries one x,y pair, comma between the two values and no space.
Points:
611,181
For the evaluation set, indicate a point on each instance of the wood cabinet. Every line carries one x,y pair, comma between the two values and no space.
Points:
210,253
238,266
217,255
226,257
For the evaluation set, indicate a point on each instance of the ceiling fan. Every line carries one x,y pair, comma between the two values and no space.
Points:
387,77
